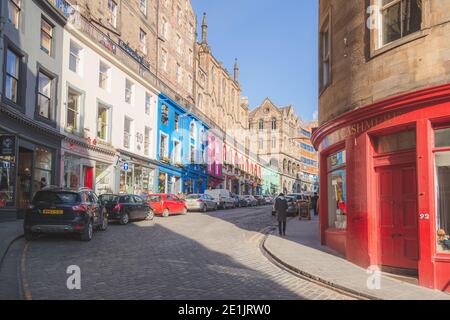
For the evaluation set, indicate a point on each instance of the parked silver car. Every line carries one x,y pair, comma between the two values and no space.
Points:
200,202
222,197
251,201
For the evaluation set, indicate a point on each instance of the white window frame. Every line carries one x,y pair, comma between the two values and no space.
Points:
129,91
108,122
78,57
166,155
143,41
107,76
77,112
130,133
176,156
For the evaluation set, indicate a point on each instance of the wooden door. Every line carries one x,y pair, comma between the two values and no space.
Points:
398,213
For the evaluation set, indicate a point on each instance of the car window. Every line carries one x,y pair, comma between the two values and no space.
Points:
195,196
107,197
126,199
56,197
154,199
138,200
169,198
92,197
84,197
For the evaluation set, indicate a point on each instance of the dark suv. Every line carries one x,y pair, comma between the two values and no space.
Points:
57,210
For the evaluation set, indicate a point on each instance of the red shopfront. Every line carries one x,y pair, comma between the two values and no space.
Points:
385,185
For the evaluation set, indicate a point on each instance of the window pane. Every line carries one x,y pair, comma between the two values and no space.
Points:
46,36
443,200
412,16
12,64
44,84
337,200
396,142
442,138
11,88
102,126
392,24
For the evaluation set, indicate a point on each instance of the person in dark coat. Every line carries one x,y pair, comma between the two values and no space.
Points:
314,202
281,206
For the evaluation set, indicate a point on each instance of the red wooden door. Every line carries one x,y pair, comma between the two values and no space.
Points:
398,216
88,177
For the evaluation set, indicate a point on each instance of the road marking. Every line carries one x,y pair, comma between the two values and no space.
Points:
25,286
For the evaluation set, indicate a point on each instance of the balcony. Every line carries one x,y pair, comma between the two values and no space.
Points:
61,10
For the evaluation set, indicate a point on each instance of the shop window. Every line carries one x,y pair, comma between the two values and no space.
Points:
400,141
7,171
103,178
147,133
337,191
44,96
442,138
72,172
443,200
43,168
162,182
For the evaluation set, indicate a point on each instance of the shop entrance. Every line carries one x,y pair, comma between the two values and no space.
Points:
397,208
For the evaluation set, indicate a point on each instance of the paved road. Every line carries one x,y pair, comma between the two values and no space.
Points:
197,256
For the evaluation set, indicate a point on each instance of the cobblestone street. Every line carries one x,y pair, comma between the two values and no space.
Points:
197,256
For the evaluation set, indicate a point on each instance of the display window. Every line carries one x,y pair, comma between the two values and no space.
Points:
337,191
72,172
43,168
162,182
442,185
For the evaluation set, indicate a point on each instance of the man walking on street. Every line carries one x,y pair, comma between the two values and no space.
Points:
281,206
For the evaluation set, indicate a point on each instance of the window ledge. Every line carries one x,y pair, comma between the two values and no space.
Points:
398,43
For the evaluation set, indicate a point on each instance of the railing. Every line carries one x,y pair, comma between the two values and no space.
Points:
63,6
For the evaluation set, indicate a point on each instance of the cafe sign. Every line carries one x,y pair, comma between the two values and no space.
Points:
134,54
7,145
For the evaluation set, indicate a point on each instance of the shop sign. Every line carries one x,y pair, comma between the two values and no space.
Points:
358,128
7,145
133,53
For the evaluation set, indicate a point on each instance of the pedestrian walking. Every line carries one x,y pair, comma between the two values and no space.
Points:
281,206
314,203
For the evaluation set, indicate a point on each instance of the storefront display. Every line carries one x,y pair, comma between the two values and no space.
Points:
442,161
337,196
43,168
137,180
71,172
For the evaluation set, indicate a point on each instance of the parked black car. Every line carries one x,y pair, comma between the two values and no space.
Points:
58,210
126,207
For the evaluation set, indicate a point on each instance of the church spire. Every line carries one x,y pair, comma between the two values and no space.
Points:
236,70
204,28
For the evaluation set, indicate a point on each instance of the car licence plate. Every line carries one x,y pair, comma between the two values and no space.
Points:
53,211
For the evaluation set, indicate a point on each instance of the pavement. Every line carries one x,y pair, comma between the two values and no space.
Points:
9,232
301,252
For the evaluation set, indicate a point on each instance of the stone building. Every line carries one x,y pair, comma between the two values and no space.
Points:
276,138
384,135
161,33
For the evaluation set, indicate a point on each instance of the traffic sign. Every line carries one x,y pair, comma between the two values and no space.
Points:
125,166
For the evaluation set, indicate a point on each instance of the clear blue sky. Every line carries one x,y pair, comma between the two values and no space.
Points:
276,44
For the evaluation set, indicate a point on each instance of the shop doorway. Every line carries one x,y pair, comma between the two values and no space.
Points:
88,174
398,212
24,179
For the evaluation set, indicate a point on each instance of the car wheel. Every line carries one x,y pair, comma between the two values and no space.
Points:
29,236
104,224
205,208
215,207
166,213
151,215
124,219
88,232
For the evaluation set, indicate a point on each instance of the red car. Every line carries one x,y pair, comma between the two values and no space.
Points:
167,204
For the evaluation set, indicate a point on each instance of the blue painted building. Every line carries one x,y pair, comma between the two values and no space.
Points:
181,149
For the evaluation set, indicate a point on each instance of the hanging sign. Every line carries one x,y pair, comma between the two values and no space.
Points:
7,145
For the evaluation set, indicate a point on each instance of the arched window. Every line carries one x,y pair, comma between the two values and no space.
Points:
274,124
261,124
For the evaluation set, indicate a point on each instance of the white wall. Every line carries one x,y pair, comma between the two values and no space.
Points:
88,82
